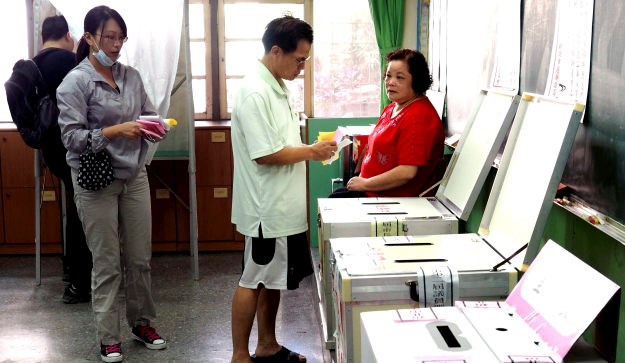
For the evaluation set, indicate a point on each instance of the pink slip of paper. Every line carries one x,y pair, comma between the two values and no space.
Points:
154,127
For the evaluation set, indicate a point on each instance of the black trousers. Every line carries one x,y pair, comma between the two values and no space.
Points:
77,255
345,193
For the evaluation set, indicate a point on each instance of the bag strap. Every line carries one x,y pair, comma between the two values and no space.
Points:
88,148
43,81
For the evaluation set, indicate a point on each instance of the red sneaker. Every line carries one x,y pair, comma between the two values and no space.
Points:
111,353
148,336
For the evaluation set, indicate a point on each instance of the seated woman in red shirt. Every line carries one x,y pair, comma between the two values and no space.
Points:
406,145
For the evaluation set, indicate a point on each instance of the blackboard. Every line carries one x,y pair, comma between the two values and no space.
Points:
596,166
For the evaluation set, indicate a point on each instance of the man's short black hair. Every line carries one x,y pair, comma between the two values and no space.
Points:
286,32
54,28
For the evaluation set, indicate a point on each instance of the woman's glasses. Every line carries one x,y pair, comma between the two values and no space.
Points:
110,38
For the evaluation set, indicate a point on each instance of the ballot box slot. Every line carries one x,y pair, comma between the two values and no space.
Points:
424,217
379,203
384,213
448,336
393,244
421,260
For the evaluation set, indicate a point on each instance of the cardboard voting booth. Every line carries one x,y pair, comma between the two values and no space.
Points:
540,321
461,184
486,263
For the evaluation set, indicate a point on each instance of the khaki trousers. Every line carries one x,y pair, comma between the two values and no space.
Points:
118,225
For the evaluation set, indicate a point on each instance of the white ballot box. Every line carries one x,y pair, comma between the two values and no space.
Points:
455,197
379,273
540,321
486,263
422,335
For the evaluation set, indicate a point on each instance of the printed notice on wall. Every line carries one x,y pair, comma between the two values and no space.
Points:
569,70
507,48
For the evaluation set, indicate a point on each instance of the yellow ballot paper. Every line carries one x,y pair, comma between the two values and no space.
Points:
329,136
326,135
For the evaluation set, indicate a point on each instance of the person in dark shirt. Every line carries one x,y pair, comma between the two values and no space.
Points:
55,60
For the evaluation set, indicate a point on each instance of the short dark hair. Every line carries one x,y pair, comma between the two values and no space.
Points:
94,20
417,65
286,32
54,28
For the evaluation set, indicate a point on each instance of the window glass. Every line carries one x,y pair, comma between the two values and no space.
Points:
244,25
199,95
241,55
347,64
198,58
197,48
248,20
196,21
346,60
232,84
296,89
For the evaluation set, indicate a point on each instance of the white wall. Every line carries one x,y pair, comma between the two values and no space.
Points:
410,25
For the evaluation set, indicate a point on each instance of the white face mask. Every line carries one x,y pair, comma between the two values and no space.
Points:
102,58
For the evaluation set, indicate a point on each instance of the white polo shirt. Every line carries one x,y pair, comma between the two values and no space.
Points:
263,123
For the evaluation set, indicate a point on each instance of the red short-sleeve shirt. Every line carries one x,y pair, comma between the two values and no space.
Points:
415,136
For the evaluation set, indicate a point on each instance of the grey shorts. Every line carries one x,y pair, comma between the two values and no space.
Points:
276,263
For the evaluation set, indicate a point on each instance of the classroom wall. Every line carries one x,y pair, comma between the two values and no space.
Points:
410,25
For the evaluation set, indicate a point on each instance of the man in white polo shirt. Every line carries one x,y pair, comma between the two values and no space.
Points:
269,189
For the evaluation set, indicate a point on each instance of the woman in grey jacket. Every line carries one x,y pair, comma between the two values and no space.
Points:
100,100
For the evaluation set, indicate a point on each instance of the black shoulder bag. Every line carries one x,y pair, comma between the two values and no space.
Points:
95,170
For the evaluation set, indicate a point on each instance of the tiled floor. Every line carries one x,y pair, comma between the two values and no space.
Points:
194,316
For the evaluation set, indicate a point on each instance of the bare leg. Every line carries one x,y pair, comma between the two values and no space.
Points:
266,312
244,304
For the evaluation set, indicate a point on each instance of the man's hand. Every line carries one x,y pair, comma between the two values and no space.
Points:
323,150
320,150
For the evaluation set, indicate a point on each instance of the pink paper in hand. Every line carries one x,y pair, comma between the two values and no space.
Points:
153,127
151,136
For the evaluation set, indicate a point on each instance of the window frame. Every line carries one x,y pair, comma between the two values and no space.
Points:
215,43
308,68
207,77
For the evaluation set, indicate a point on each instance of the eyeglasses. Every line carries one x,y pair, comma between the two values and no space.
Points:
112,39
301,60
298,60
